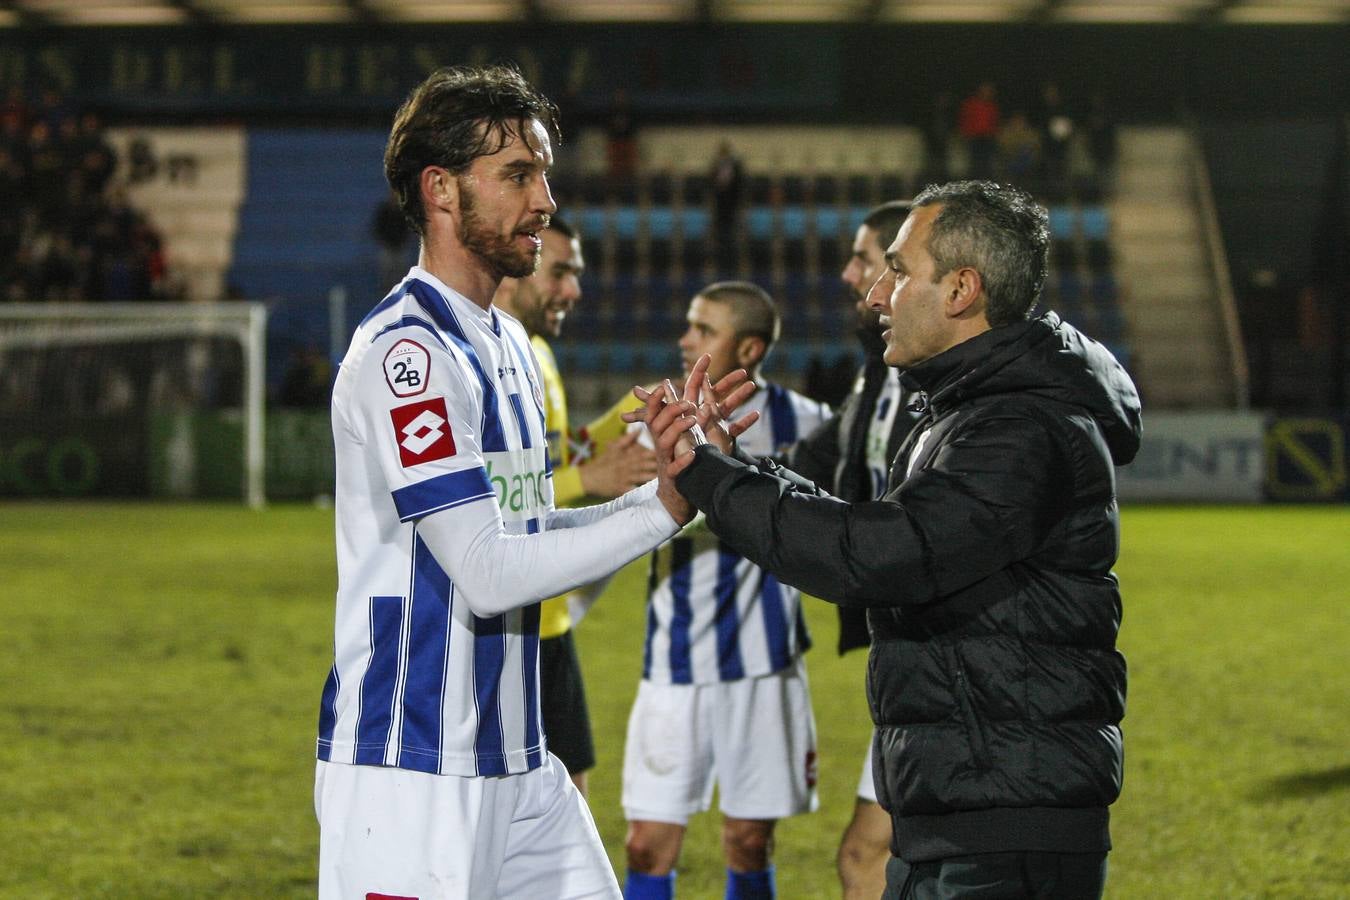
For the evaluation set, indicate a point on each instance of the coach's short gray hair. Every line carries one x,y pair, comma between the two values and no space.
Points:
1000,232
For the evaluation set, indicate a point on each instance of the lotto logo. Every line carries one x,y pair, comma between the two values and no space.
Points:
423,432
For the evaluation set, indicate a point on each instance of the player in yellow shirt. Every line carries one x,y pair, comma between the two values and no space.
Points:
615,464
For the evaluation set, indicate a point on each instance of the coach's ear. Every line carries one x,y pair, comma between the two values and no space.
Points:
440,191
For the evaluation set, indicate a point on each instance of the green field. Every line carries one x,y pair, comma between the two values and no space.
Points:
162,670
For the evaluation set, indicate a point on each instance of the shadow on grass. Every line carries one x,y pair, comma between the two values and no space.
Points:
1303,784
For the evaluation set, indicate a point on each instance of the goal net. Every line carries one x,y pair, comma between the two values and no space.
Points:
132,400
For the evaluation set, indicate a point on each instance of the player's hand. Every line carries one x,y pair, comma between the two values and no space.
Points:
622,465
669,424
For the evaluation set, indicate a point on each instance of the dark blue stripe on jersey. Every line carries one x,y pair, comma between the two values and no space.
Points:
529,627
527,366
493,438
389,300
489,657
411,322
328,714
775,622
428,649
653,577
729,665
519,409
681,572
782,418
377,685
883,407
442,492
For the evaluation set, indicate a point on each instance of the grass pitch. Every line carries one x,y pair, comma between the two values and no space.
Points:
162,670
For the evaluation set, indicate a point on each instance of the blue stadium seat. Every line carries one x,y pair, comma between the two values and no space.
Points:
625,221
695,221
660,222
759,221
1096,223
1062,223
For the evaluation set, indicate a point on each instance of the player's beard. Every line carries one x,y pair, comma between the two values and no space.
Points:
503,258
533,311
867,325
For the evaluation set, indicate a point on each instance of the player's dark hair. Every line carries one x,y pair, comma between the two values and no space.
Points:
886,220
753,312
453,117
1000,232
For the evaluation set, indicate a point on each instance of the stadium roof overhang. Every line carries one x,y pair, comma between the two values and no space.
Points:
189,12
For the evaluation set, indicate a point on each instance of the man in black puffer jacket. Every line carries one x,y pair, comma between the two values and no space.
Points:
993,679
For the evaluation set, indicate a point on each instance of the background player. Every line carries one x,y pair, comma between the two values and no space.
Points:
542,302
433,778
724,695
851,455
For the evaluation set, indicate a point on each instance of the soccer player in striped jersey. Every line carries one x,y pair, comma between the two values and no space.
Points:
434,778
724,695
542,303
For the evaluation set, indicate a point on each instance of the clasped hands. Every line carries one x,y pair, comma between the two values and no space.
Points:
671,418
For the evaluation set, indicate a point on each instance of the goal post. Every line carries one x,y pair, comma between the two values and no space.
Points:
83,385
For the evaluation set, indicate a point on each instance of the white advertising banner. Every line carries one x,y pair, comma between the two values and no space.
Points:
1198,456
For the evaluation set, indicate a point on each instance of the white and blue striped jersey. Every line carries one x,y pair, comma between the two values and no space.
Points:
890,403
438,412
711,614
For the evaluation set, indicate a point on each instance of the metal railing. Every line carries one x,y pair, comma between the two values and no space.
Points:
1223,280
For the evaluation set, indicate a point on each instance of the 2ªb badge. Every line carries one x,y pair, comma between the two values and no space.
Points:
407,368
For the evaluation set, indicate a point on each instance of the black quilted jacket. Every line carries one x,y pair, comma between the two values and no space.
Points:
993,679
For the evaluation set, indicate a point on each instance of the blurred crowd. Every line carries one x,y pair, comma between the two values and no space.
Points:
67,231
1053,146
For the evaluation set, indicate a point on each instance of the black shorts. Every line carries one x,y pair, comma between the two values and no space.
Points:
567,722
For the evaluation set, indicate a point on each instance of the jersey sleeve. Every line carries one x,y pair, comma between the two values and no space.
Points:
415,411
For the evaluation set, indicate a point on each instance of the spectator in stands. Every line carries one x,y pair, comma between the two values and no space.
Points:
978,125
64,234
1057,132
727,177
390,230
13,116
96,158
53,109
938,135
621,136
307,378
1019,149
1099,130
141,162
46,166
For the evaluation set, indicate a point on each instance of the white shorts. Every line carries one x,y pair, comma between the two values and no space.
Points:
755,737
867,788
387,831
